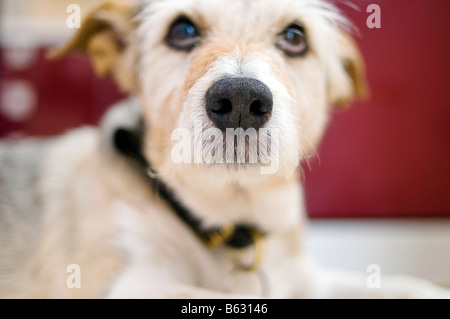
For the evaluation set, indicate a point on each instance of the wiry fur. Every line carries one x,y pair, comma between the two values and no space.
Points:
77,201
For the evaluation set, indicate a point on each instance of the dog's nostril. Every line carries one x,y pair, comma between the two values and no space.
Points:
222,106
257,109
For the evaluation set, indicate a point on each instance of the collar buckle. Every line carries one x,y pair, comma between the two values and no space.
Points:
233,237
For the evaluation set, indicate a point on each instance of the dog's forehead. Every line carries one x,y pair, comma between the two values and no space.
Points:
235,16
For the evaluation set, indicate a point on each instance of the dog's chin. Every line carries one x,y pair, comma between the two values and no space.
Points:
226,173
239,169
223,174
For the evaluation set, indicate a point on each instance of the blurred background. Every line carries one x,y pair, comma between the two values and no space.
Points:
387,157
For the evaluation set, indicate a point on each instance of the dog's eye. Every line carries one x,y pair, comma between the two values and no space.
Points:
183,35
293,40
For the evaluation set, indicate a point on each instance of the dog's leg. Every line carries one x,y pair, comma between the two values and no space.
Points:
175,292
132,289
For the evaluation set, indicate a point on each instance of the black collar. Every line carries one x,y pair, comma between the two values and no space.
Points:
128,143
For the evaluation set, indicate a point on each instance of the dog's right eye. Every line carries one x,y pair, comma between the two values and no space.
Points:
183,35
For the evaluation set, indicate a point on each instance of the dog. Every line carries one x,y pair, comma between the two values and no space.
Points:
159,201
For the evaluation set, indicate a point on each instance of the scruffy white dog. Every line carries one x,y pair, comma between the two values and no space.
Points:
191,187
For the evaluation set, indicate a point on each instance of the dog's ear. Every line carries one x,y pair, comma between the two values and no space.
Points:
106,35
350,81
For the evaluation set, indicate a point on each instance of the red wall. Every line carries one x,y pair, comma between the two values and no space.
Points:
67,94
389,156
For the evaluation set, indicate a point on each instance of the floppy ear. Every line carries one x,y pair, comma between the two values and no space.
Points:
106,35
350,82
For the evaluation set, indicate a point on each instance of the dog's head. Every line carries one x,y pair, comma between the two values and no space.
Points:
213,74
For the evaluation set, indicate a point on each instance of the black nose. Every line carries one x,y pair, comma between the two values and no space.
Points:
239,102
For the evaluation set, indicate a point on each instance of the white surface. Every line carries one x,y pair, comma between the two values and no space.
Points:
417,247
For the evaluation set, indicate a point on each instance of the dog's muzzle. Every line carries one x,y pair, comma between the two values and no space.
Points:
239,103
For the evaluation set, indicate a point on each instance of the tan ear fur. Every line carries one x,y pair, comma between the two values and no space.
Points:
105,36
103,50
354,67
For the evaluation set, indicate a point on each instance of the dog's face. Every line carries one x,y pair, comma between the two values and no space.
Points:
273,68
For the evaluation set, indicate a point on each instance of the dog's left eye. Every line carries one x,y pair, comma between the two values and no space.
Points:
293,40
183,35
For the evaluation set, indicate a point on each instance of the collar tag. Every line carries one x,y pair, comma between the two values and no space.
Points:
259,248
